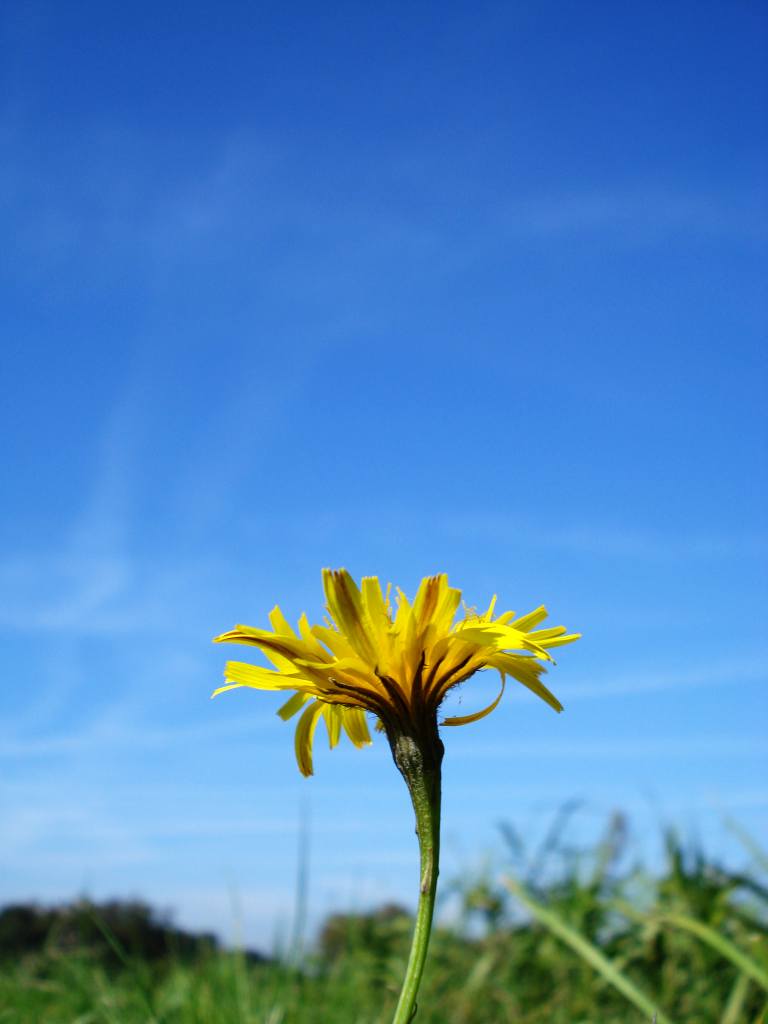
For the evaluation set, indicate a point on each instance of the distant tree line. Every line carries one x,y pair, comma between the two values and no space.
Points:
113,932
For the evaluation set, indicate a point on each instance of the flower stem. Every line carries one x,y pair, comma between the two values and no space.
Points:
424,785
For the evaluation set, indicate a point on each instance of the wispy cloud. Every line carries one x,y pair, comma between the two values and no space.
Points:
643,747
652,680
610,541
107,734
636,213
81,574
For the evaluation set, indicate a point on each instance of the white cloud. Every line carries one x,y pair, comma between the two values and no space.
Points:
635,214
652,680
666,747
108,735
608,541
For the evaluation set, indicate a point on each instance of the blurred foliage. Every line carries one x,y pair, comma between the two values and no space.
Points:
107,932
555,934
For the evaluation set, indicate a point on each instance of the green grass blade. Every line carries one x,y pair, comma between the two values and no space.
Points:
589,953
719,943
734,1008
136,967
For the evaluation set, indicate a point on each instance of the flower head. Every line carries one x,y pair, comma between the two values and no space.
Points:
397,663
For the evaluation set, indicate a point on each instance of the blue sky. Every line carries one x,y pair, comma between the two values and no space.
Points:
463,288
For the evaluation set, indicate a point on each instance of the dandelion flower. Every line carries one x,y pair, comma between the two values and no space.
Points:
397,664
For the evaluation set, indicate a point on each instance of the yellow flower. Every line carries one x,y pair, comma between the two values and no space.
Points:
397,666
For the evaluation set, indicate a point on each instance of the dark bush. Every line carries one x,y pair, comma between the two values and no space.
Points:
113,932
379,932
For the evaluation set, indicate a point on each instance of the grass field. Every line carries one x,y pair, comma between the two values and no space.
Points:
572,938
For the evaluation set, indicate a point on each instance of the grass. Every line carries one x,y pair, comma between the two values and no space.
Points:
563,937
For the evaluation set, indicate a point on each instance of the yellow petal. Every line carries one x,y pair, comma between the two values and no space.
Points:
223,689
259,678
491,635
526,671
407,639
540,635
355,726
428,598
443,618
403,613
332,715
345,603
281,663
557,641
377,614
313,645
288,647
503,638
305,732
279,622
527,622
505,618
292,705
468,719
336,642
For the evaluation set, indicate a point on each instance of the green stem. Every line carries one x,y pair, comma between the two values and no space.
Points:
422,774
